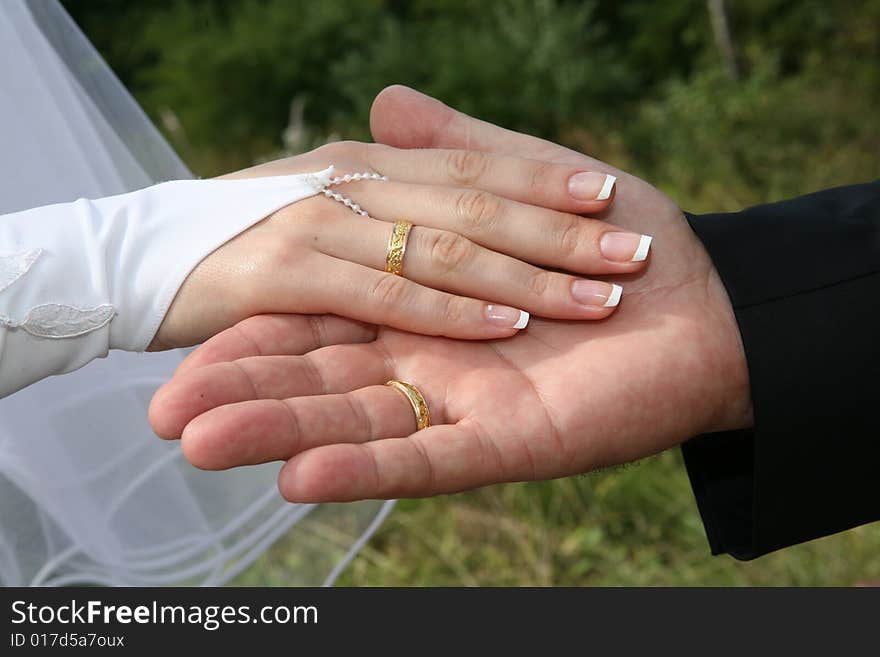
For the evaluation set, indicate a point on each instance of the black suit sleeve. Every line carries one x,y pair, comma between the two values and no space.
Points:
804,279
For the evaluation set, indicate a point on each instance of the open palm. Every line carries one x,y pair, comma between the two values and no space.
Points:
558,398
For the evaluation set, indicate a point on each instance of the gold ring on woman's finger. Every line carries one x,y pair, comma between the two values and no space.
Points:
397,247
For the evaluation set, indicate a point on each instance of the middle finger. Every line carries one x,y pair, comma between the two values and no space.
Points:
447,261
537,235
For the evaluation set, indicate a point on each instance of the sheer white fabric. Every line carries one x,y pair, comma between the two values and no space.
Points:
87,493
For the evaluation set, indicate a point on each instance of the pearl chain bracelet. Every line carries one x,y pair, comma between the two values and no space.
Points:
347,202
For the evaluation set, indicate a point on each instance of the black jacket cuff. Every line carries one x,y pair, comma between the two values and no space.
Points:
804,280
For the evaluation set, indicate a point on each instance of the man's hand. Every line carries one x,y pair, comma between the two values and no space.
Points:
557,399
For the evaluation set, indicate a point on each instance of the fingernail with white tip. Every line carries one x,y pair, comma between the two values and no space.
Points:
614,297
591,186
644,245
507,316
625,247
605,192
596,293
523,320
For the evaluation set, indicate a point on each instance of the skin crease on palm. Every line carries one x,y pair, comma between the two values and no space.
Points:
559,398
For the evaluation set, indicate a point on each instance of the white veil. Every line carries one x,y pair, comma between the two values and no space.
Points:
88,495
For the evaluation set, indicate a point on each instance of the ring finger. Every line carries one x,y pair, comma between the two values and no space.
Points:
447,261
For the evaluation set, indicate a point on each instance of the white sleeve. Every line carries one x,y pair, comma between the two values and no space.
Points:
78,279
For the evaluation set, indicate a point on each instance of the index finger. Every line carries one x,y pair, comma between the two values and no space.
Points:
276,334
565,187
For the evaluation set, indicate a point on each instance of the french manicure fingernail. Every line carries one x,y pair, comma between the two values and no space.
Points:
596,293
590,186
625,247
507,317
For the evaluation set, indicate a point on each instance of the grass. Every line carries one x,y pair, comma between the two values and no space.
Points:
635,525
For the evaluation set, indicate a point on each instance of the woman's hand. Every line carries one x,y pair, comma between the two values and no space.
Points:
467,271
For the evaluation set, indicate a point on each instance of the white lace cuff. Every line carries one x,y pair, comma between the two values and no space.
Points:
80,278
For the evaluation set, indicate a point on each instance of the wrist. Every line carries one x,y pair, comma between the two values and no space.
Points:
215,284
734,407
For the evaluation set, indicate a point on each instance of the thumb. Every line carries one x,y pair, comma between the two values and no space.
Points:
405,118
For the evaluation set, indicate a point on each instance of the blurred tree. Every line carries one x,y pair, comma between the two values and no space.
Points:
229,70
637,81
723,38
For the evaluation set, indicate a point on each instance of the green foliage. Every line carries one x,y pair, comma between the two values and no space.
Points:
638,83
529,64
728,144
637,525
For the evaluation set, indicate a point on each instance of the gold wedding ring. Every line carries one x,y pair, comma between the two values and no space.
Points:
420,406
397,247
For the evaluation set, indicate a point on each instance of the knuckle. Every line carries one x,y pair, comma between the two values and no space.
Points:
449,252
286,248
454,310
372,154
542,176
539,282
389,291
301,221
306,233
478,210
465,168
341,149
284,256
330,150
569,236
